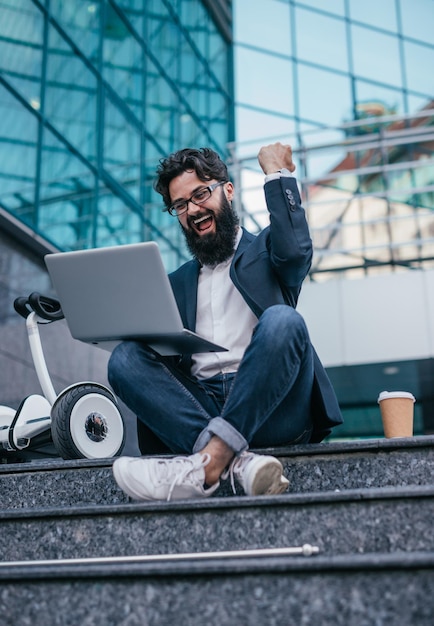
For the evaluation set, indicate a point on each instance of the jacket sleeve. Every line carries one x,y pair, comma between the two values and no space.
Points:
290,245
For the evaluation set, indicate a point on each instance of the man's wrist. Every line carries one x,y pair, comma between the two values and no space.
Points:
278,174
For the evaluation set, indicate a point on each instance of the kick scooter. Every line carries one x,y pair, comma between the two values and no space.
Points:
82,421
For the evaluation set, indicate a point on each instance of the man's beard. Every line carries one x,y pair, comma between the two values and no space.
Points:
219,246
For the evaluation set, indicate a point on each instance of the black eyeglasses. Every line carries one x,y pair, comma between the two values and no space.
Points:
199,197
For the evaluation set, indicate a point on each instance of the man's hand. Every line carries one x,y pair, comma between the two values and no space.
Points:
275,157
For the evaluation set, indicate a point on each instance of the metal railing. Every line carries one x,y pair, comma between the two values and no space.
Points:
368,193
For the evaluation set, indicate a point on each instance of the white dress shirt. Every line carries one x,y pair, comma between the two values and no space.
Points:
222,317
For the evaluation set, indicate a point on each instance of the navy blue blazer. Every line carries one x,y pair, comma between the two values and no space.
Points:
269,269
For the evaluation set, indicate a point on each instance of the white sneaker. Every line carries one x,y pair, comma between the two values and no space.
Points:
163,479
257,474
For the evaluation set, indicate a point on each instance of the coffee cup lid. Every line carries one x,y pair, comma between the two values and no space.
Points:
385,395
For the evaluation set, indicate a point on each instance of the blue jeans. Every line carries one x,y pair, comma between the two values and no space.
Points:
266,403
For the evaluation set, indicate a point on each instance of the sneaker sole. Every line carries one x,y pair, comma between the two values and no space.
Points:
118,466
269,480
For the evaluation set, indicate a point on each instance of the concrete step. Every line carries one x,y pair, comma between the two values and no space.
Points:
359,464
367,505
330,591
320,467
390,519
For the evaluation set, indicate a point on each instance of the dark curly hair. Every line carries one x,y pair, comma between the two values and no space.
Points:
205,162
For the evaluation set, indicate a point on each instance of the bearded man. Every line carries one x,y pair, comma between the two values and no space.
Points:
239,291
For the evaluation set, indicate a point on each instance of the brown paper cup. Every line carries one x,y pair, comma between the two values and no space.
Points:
397,410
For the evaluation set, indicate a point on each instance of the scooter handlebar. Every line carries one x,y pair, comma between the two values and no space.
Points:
47,308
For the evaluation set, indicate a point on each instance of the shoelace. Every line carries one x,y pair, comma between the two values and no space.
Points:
188,466
237,462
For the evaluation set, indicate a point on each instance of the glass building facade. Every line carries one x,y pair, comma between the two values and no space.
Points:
317,64
347,84
92,94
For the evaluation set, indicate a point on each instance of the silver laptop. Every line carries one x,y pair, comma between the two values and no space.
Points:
122,292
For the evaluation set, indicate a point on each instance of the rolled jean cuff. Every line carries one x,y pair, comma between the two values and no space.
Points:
218,426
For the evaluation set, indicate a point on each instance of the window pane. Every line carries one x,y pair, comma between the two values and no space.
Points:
81,21
318,100
322,39
381,14
121,149
117,224
218,59
17,157
123,68
418,24
332,6
369,48
162,104
256,125
67,196
70,102
21,50
251,20
21,21
172,88
391,99
415,103
256,81
417,57
197,23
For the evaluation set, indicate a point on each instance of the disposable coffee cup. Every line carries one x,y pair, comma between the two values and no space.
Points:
397,412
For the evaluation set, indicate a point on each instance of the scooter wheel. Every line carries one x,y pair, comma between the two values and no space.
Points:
87,424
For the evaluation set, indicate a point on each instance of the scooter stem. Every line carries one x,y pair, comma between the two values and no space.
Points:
39,359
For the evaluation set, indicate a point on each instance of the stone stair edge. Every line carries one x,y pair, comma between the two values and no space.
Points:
53,465
73,569
353,446
412,492
308,450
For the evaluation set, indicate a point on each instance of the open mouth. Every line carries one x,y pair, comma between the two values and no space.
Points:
203,223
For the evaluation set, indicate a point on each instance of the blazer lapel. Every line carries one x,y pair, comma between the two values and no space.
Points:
190,303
